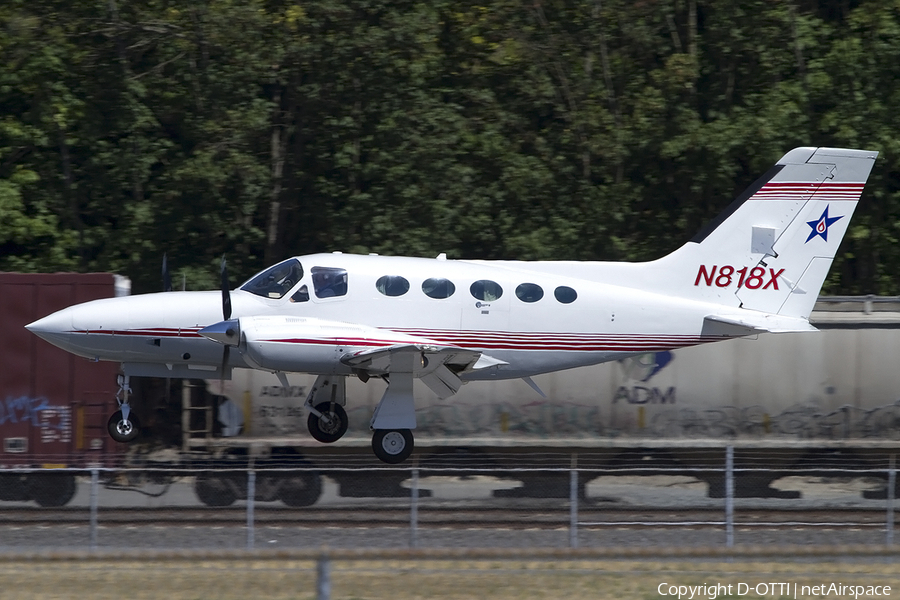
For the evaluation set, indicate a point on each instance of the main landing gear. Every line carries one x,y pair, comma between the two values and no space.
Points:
327,420
395,415
330,424
392,422
123,425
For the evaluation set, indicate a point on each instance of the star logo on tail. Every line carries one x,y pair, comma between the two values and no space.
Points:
820,226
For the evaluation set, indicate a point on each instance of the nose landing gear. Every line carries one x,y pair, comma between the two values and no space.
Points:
123,425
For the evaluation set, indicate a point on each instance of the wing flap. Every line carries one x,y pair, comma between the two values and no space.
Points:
752,323
378,360
439,367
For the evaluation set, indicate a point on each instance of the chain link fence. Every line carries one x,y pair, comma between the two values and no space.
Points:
458,499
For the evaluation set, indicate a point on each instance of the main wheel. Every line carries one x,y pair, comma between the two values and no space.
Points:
334,429
392,446
121,430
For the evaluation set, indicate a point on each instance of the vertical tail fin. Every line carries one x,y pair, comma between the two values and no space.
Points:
773,246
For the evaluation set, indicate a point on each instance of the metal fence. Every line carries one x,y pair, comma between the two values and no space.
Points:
641,498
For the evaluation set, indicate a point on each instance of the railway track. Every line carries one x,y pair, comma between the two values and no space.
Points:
444,517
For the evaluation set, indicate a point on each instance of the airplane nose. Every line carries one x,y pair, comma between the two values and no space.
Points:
53,327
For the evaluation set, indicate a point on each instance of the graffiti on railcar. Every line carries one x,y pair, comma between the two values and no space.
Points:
23,409
803,421
542,417
54,422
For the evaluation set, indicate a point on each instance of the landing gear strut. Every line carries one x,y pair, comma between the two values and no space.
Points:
123,425
395,415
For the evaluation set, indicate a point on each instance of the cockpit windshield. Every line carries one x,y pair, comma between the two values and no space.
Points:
275,281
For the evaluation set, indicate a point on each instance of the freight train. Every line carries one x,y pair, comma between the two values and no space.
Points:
797,396
839,383
53,405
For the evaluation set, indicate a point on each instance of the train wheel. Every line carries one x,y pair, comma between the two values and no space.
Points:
52,489
301,490
392,446
334,429
123,430
14,487
214,490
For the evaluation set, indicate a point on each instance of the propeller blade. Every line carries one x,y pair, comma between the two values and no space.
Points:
166,278
226,295
225,355
226,332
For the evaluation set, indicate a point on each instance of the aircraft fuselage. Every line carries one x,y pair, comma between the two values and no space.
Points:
552,323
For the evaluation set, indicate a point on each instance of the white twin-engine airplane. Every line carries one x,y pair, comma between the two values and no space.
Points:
757,268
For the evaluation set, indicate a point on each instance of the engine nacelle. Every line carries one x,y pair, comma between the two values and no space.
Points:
299,344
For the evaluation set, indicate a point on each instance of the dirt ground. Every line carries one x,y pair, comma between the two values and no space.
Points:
500,580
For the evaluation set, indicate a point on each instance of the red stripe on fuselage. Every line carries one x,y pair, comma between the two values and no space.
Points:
470,339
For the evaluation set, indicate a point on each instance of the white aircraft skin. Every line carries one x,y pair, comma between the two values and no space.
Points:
757,269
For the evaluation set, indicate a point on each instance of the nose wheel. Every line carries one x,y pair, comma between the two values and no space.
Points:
392,446
121,428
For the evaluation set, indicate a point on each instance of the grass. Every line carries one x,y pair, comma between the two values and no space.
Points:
451,580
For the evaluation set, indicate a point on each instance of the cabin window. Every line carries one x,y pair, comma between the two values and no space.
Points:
487,290
392,285
301,295
529,292
275,281
329,282
438,288
565,294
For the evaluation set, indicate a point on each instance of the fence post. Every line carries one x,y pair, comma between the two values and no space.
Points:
414,507
891,485
95,482
251,499
729,496
323,577
573,502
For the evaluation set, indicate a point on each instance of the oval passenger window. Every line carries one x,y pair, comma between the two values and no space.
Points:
438,288
392,285
565,294
529,292
487,290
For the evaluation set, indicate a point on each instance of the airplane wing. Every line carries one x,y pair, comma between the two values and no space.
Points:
438,367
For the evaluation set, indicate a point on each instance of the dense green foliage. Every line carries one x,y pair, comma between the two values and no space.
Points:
506,129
